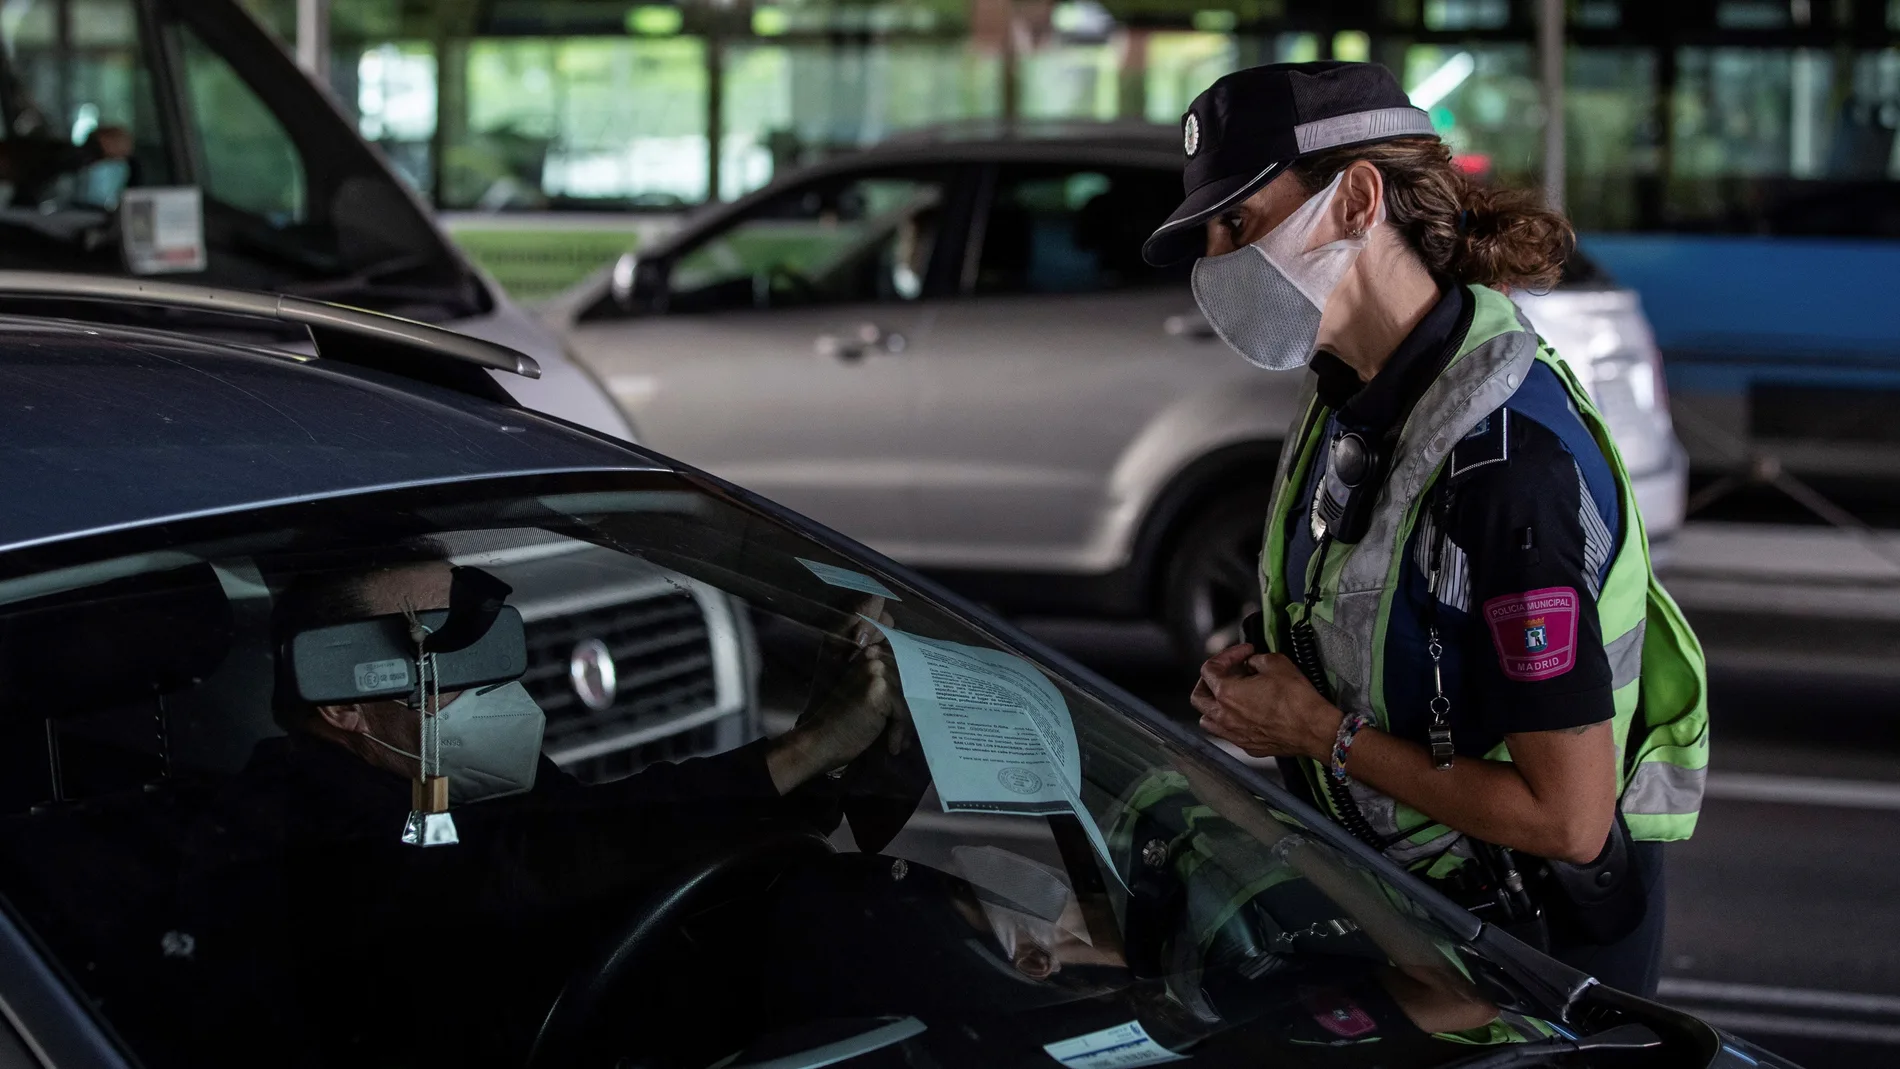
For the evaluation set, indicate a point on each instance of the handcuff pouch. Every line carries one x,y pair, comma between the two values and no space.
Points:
1599,902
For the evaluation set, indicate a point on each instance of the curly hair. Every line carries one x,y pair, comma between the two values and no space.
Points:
1461,229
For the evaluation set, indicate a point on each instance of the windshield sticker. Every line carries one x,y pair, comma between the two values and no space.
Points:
847,579
162,229
372,676
995,732
1120,1047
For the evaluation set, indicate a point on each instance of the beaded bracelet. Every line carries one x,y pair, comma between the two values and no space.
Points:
1342,742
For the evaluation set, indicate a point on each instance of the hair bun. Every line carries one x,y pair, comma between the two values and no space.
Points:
1464,231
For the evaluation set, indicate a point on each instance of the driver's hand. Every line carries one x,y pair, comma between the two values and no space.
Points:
866,704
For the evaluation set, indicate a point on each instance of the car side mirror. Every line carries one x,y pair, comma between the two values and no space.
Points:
637,285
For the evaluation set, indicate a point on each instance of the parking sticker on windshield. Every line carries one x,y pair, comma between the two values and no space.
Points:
1120,1047
847,579
995,732
162,229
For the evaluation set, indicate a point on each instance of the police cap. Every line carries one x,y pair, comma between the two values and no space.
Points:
1248,126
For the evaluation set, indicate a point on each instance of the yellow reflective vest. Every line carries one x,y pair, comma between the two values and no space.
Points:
1658,676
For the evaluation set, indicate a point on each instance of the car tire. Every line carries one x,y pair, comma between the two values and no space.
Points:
1212,578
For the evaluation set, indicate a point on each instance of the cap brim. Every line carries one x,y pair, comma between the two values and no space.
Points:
1184,234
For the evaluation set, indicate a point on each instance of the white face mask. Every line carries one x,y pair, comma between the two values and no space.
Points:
1265,300
491,743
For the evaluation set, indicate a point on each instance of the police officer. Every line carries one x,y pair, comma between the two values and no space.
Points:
1466,653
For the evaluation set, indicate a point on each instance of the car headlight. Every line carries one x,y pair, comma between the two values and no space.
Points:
1616,359
1628,388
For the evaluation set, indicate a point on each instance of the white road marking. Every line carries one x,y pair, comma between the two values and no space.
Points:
1775,1024
1803,790
1675,987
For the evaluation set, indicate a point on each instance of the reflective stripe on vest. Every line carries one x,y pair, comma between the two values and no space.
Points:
1654,659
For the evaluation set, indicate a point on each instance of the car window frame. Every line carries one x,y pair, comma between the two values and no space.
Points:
42,1008
326,141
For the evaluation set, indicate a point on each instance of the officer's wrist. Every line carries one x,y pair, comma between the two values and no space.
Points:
1326,724
793,758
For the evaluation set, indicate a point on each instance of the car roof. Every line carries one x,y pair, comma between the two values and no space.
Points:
107,427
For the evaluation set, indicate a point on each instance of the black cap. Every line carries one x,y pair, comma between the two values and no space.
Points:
1246,128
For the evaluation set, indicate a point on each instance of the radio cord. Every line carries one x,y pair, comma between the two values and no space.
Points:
1303,644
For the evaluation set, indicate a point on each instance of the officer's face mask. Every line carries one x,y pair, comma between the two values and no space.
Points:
491,743
1265,300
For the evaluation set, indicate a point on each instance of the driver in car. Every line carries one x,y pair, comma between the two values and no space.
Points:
317,929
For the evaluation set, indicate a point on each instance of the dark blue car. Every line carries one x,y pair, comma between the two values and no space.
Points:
212,848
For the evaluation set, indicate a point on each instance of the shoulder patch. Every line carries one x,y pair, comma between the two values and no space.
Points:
1535,633
1487,443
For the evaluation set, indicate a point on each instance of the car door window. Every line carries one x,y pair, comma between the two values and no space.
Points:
1073,230
248,160
856,240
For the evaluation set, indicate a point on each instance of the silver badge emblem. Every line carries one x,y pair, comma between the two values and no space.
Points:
1191,135
590,668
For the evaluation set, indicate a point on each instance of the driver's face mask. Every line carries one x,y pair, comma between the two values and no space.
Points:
1265,300
491,743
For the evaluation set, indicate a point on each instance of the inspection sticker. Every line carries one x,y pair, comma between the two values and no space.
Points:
162,229
381,675
847,579
1121,1047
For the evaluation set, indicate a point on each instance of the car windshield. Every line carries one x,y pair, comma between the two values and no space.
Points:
206,825
140,145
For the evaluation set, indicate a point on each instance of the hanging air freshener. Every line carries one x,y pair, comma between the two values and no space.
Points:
430,823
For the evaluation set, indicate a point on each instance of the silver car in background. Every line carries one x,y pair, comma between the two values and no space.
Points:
948,347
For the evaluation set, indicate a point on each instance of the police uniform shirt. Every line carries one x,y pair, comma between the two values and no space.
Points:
1532,523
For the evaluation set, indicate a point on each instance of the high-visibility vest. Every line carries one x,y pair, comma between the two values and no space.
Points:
1657,670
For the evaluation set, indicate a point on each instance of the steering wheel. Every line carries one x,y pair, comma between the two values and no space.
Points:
658,916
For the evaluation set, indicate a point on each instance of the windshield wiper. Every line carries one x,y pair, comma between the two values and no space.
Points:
365,286
1622,1037
363,278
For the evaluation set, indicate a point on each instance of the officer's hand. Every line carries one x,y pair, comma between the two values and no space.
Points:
1226,663
867,704
1262,704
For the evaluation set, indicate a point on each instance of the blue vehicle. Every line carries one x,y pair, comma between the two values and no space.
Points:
201,864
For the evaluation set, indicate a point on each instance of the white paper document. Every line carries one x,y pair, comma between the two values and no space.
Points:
995,731
847,579
1121,1047
162,229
